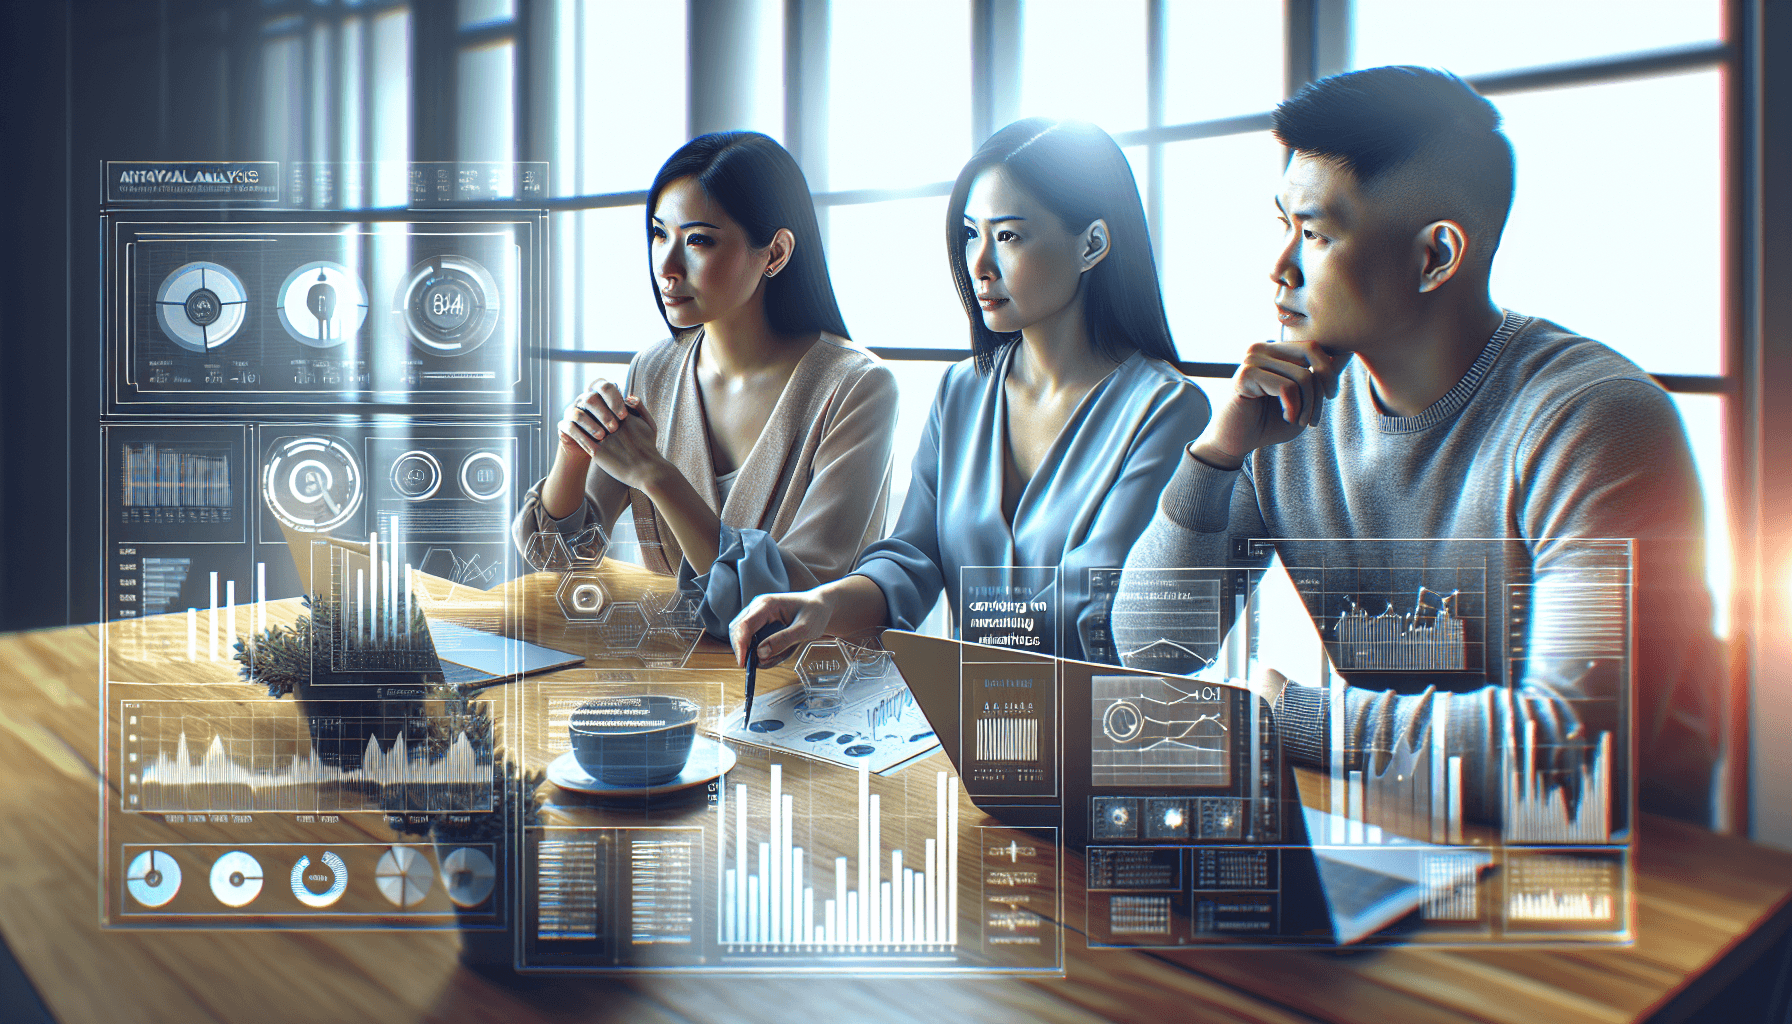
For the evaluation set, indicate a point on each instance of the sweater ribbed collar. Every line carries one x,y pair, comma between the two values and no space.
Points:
1453,400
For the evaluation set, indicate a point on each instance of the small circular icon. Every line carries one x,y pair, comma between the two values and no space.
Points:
1174,818
153,878
416,475
469,877
320,886
1120,815
403,876
312,483
1123,721
236,879
201,306
484,476
587,597
322,304
449,305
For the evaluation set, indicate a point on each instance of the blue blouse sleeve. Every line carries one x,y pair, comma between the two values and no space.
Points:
906,564
747,564
1177,416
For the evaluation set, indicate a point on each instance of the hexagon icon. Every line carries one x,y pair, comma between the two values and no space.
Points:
824,668
673,609
582,597
546,551
622,626
589,545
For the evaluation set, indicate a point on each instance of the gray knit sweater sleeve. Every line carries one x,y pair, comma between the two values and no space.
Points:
1197,515
1610,461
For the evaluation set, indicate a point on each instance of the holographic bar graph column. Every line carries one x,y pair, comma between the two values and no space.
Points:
775,906
225,628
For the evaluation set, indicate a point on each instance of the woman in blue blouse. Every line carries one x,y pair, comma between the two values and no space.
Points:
1050,446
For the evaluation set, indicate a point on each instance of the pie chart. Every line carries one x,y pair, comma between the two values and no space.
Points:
469,877
236,879
200,306
403,876
153,878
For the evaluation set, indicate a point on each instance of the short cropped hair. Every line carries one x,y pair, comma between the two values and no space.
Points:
762,188
1428,123
1076,171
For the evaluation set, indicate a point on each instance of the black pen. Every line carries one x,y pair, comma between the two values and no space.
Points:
760,637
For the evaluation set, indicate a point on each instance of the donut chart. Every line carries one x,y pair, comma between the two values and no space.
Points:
485,476
449,304
416,475
201,305
331,872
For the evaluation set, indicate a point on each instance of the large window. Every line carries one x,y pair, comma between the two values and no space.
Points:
1618,112
1616,232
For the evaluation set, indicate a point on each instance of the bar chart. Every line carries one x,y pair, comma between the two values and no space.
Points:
1538,808
773,897
1415,795
377,625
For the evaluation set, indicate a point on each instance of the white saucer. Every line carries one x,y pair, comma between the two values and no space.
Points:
710,759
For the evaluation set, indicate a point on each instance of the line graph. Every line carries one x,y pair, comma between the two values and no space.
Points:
222,756
1149,731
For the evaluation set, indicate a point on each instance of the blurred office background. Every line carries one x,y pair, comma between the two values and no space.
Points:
1644,130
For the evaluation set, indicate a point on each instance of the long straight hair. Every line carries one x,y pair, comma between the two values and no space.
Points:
1075,170
759,184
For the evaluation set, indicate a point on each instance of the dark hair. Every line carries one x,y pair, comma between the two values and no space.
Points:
758,183
1077,172
1377,120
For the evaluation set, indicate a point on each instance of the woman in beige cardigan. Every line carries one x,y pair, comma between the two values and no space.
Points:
754,445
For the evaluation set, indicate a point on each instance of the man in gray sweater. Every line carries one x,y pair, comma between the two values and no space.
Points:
1402,402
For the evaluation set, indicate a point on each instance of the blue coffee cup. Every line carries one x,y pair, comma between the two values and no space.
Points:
634,741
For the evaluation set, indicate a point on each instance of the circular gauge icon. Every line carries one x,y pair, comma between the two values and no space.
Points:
236,879
469,876
312,483
1123,721
484,476
449,305
403,876
322,885
416,475
153,878
322,304
201,306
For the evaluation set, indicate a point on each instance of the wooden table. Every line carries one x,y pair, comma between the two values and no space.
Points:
1707,905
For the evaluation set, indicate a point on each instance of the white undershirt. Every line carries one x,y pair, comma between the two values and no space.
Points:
725,484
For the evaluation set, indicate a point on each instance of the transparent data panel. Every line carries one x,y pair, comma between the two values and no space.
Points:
1499,810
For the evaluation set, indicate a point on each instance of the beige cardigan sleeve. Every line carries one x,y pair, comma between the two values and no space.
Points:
848,491
831,510
605,498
